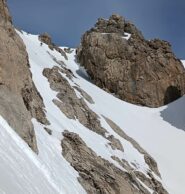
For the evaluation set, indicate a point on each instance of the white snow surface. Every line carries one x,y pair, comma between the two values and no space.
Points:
40,58
160,131
126,35
183,62
21,170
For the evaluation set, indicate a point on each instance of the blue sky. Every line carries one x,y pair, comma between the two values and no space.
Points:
67,20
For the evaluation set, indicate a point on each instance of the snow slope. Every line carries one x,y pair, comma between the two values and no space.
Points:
183,62
19,166
40,58
161,139
158,131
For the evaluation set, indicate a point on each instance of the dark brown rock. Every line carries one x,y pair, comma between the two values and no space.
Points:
49,131
136,70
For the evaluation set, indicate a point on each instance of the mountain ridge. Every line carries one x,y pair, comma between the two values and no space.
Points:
79,139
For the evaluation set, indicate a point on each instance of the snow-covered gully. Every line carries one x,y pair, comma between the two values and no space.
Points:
157,130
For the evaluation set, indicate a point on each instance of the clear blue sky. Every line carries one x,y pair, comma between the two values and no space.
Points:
67,20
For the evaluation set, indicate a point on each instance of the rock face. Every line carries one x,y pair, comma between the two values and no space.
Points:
98,175
70,104
19,99
4,13
75,108
119,60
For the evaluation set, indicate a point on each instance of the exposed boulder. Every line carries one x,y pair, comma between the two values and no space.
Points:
19,99
119,60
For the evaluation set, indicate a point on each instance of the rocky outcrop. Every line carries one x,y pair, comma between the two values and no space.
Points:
14,111
46,38
119,60
5,17
70,104
73,106
98,175
148,159
19,99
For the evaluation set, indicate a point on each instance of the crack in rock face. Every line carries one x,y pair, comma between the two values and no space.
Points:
136,70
